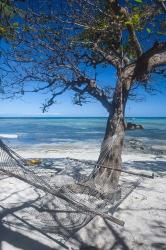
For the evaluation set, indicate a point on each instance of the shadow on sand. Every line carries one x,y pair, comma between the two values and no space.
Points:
14,237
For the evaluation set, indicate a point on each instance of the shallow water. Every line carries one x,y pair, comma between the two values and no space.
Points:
75,133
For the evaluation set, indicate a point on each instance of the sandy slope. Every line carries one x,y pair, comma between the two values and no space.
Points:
144,213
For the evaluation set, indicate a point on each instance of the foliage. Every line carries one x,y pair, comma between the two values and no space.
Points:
59,46
7,26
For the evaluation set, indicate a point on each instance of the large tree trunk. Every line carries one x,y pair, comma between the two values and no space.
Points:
110,155
111,149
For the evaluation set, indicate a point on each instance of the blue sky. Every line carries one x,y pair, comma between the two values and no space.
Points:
30,105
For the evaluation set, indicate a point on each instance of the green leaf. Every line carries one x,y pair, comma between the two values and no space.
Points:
138,1
2,30
129,22
135,19
135,8
148,30
15,25
8,11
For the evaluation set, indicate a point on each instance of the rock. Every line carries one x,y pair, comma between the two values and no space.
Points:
139,126
132,126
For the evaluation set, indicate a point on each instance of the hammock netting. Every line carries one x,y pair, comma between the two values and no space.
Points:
66,202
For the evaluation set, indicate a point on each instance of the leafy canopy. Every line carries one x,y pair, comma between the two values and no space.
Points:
59,45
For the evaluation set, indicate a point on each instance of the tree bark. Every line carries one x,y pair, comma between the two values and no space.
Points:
111,149
110,156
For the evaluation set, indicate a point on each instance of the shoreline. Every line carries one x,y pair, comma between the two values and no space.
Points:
90,151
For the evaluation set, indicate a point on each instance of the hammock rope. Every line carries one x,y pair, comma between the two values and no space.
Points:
62,209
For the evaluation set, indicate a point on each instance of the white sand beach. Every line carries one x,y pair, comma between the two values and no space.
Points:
143,211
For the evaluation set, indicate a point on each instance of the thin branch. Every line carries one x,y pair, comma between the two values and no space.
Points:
124,12
51,100
162,5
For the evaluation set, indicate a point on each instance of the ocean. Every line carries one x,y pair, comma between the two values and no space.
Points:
62,134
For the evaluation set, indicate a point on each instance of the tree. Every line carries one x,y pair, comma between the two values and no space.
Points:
60,46
8,15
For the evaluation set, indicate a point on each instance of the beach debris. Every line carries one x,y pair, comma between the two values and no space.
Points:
33,162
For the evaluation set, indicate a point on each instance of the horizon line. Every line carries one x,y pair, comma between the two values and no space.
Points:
51,116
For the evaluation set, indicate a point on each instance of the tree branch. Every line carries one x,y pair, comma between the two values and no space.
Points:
154,57
111,57
51,100
162,5
93,90
124,12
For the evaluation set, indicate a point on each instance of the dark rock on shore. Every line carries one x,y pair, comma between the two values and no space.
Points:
132,126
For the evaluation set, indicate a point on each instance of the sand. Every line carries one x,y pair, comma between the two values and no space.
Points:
144,213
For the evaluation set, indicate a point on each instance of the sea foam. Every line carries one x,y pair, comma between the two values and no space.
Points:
9,136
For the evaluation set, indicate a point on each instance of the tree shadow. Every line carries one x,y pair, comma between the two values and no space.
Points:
159,227
71,230
10,222
100,235
119,242
156,166
20,241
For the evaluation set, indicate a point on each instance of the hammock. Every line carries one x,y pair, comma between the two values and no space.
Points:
61,209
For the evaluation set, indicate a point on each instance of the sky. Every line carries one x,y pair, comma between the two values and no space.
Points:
30,105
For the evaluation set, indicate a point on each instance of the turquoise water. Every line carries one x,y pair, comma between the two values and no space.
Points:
34,131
